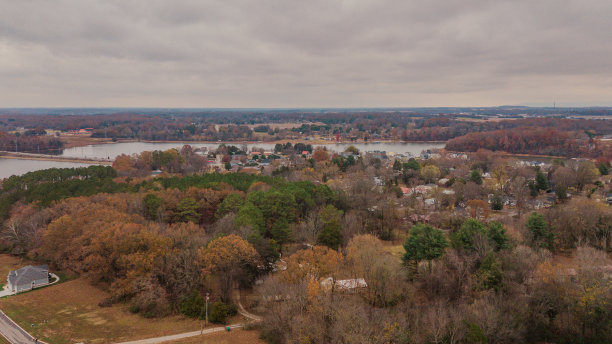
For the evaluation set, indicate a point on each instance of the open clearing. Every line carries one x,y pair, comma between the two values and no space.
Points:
9,263
69,313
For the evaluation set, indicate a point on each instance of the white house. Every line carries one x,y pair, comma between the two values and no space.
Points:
28,277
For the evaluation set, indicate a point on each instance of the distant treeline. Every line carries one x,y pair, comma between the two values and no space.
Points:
240,126
29,142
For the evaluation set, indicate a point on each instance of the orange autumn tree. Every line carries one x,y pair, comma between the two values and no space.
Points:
316,263
227,258
105,244
320,155
478,208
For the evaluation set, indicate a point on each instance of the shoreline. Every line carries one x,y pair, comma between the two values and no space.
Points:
21,156
237,143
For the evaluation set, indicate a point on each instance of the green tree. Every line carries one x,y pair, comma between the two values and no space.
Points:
230,204
330,234
497,234
476,177
280,231
542,235
561,192
192,305
424,243
466,236
352,149
187,210
152,204
268,249
490,274
497,202
541,181
277,205
250,215
412,164
219,312
604,169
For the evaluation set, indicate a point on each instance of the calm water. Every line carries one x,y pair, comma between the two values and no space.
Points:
112,150
9,167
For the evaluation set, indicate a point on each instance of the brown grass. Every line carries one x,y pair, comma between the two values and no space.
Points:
69,313
9,263
233,337
396,250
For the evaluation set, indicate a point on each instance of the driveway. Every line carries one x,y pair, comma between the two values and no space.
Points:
12,332
5,291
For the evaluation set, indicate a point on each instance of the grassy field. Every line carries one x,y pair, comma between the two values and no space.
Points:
9,263
395,249
69,313
233,337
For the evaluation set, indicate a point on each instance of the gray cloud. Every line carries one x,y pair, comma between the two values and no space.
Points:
291,53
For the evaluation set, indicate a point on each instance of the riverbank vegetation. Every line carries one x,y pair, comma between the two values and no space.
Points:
499,129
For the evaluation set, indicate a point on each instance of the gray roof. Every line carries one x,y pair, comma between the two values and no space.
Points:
28,274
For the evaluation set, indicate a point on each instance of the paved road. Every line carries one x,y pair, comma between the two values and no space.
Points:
241,310
179,336
12,332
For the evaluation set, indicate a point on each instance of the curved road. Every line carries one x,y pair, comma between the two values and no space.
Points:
13,333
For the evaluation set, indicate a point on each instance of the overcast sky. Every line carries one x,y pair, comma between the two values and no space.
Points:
305,53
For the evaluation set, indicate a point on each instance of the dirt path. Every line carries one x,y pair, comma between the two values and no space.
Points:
241,309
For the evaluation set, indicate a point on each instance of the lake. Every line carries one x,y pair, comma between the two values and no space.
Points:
9,167
112,150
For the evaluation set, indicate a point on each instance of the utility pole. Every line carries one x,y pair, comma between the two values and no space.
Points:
207,298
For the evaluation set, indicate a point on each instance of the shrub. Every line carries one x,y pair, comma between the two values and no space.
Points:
497,202
192,305
220,311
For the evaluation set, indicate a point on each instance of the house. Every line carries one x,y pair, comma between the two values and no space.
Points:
443,181
348,285
422,189
28,277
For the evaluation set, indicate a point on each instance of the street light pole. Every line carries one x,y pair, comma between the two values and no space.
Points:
207,298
